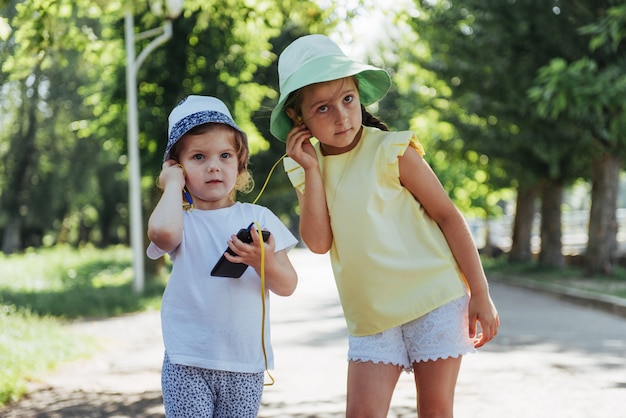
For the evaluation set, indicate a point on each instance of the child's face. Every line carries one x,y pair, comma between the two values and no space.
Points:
210,161
332,112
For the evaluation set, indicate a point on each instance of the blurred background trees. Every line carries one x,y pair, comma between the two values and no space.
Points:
515,100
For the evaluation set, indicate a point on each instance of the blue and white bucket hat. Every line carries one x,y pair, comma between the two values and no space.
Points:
194,111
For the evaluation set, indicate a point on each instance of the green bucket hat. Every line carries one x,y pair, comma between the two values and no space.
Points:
314,59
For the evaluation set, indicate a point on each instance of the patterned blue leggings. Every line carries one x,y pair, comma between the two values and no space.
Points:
194,392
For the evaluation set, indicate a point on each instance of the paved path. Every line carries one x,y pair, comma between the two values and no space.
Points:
551,359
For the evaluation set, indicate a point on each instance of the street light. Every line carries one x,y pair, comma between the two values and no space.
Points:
163,33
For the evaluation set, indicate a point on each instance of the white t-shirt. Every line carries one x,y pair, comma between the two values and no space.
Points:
215,322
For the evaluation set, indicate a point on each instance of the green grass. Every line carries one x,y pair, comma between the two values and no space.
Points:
40,291
31,345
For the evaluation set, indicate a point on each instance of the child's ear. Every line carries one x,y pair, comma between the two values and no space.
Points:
297,119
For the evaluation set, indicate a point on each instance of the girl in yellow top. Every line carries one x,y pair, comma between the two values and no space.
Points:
407,270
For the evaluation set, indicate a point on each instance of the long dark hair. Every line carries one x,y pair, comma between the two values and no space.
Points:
371,120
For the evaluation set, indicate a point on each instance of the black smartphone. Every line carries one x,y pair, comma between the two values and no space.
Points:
225,268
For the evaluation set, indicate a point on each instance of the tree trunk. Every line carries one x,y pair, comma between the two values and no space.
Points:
601,254
18,164
11,239
107,210
523,224
551,199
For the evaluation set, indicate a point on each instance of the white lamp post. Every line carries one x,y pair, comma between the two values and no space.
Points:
163,33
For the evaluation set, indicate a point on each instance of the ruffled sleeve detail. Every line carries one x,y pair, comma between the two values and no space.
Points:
399,143
417,145
295,172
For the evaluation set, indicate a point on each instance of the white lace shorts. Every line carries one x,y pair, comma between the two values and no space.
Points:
439,334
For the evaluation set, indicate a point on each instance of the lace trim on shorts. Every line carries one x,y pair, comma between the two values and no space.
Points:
440,334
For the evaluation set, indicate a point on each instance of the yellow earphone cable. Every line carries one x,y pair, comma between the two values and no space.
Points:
268,179
258,229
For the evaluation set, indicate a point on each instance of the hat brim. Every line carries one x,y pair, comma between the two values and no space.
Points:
373,85
189,122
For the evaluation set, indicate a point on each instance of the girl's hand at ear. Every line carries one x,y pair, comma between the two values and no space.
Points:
314,218
299,147
165,225
172,174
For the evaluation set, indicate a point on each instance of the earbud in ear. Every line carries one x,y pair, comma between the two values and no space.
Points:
184,171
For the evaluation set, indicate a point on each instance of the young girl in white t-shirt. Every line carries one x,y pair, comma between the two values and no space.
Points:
217,341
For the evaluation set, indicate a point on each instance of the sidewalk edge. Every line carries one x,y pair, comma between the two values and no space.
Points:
607,303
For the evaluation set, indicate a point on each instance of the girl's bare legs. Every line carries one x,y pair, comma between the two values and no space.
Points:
435,382
370,387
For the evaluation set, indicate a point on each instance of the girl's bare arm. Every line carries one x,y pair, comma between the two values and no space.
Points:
314,218
417,176
165,225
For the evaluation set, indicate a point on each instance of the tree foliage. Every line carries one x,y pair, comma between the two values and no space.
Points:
590,92
48,59
63,143
523,94
489,53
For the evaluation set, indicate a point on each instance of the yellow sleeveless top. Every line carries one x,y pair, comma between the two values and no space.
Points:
391,261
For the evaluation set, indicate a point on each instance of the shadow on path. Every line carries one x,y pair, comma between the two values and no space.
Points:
55,403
